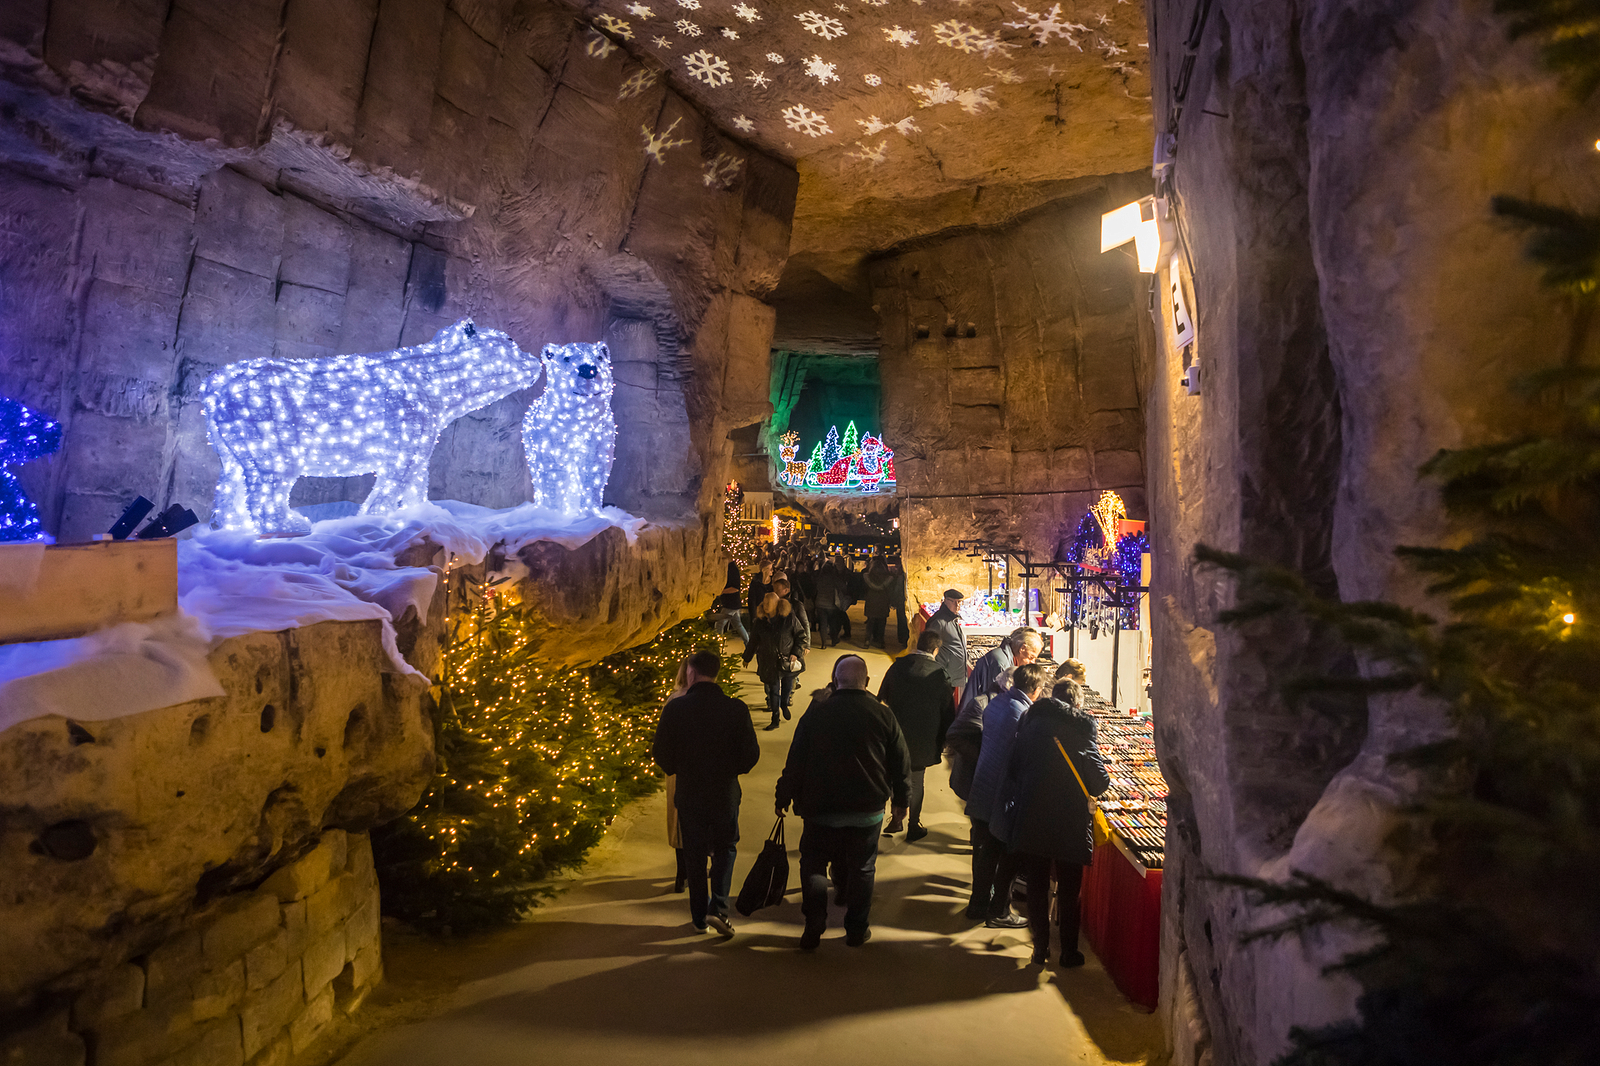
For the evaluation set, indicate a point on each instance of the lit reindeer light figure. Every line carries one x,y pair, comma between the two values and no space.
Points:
274,420
794,472
569,432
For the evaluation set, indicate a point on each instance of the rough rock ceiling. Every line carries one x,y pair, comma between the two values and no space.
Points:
904,117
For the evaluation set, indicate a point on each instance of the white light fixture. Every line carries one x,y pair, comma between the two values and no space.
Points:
1136,222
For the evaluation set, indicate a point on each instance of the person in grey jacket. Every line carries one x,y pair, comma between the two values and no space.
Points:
1020,648
946,622
1043,814
993,869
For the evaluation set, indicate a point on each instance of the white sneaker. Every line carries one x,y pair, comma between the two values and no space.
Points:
720,924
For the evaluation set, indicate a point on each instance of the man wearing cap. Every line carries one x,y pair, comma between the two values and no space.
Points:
946,622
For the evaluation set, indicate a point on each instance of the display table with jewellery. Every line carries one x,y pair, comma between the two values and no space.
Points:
1121,896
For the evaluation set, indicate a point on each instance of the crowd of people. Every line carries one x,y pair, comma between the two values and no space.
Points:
1023,755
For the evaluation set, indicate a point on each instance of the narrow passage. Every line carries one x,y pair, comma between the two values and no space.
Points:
610,972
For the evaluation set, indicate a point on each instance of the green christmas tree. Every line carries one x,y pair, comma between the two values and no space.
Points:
815,466
1494,959
852,439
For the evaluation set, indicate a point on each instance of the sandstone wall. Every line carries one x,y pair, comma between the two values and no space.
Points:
254,979
1013,381
1356,310
192,187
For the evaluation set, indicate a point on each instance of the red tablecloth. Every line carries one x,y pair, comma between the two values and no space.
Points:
1122,922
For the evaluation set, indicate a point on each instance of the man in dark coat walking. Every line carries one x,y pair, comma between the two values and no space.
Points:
946,622
847,759
917,691
706,739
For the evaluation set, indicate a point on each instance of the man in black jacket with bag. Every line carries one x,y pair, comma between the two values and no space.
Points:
847,759
918,692
706,739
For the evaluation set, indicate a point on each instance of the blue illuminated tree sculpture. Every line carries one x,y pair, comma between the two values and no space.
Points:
25,434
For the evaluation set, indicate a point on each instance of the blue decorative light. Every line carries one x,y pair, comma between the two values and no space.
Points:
275,420
569,432
25,435
1119,560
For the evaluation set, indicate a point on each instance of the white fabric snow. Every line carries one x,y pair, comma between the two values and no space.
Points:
232,583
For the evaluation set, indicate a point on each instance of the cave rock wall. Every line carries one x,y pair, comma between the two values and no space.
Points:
1013,381
1356,309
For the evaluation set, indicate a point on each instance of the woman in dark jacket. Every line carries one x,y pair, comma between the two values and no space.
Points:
878,601
777,637
1044,815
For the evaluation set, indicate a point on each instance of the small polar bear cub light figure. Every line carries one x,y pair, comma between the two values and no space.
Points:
569,432
274,420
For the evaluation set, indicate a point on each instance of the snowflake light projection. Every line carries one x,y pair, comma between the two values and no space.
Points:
803,119
823,72
656,145
746,12
616,27
773,57
274,420
1007,77
903,38
1043,26
730,33
25,435
756,78
743,124
687,28
637,82
600,46
972,101
640,11
825,26
570,432
689,5
722,172
662,42
871,155
872,80
708,68
858,464
872,124
964,37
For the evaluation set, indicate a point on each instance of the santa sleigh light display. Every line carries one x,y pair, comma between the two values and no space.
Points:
855,464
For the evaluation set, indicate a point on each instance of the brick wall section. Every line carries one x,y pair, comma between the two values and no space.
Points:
255,981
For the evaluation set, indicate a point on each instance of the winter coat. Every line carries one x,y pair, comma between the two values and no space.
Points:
915,690
879,594
1000,720
705,737
1043,811
775,639
855,585
848,756
986,671
757,592
830,589
729,600
953,652
964,743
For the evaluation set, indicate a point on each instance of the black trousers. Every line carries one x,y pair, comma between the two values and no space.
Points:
901,629
875,631
853,852
916,795
715,839
994,867
1069,880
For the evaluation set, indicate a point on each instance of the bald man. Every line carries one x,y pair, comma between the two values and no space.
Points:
848,758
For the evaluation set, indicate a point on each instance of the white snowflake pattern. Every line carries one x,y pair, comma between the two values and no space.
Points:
640,11
872,124
662,42
972,101
825,26
1102,20
965,37
743,125
841,7
756,78
721,172
804,120
689,5
906,126
1007,77
870,154
599,45
703,66
876,3
656,145
903,38
730,33
822,71
1111,49
637,82
616,27
687,28
773,57
1044,26
746,12
872,80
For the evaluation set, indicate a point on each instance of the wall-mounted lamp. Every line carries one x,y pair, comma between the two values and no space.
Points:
1144,222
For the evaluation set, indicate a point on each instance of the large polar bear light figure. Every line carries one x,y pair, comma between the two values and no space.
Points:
274,420
569,432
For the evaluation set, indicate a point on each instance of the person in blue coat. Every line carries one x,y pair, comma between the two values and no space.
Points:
993,868
1043,815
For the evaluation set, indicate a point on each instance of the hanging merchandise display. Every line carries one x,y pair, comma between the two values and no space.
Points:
856,462
25,435
570,432
275,420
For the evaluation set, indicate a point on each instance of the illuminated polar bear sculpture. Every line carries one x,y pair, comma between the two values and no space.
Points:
274,420
569,432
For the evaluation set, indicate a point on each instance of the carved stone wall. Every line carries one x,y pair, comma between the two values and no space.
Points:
1012,369
1356,309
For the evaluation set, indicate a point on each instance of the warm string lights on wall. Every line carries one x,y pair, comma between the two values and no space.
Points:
569,432
275,420
25,435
